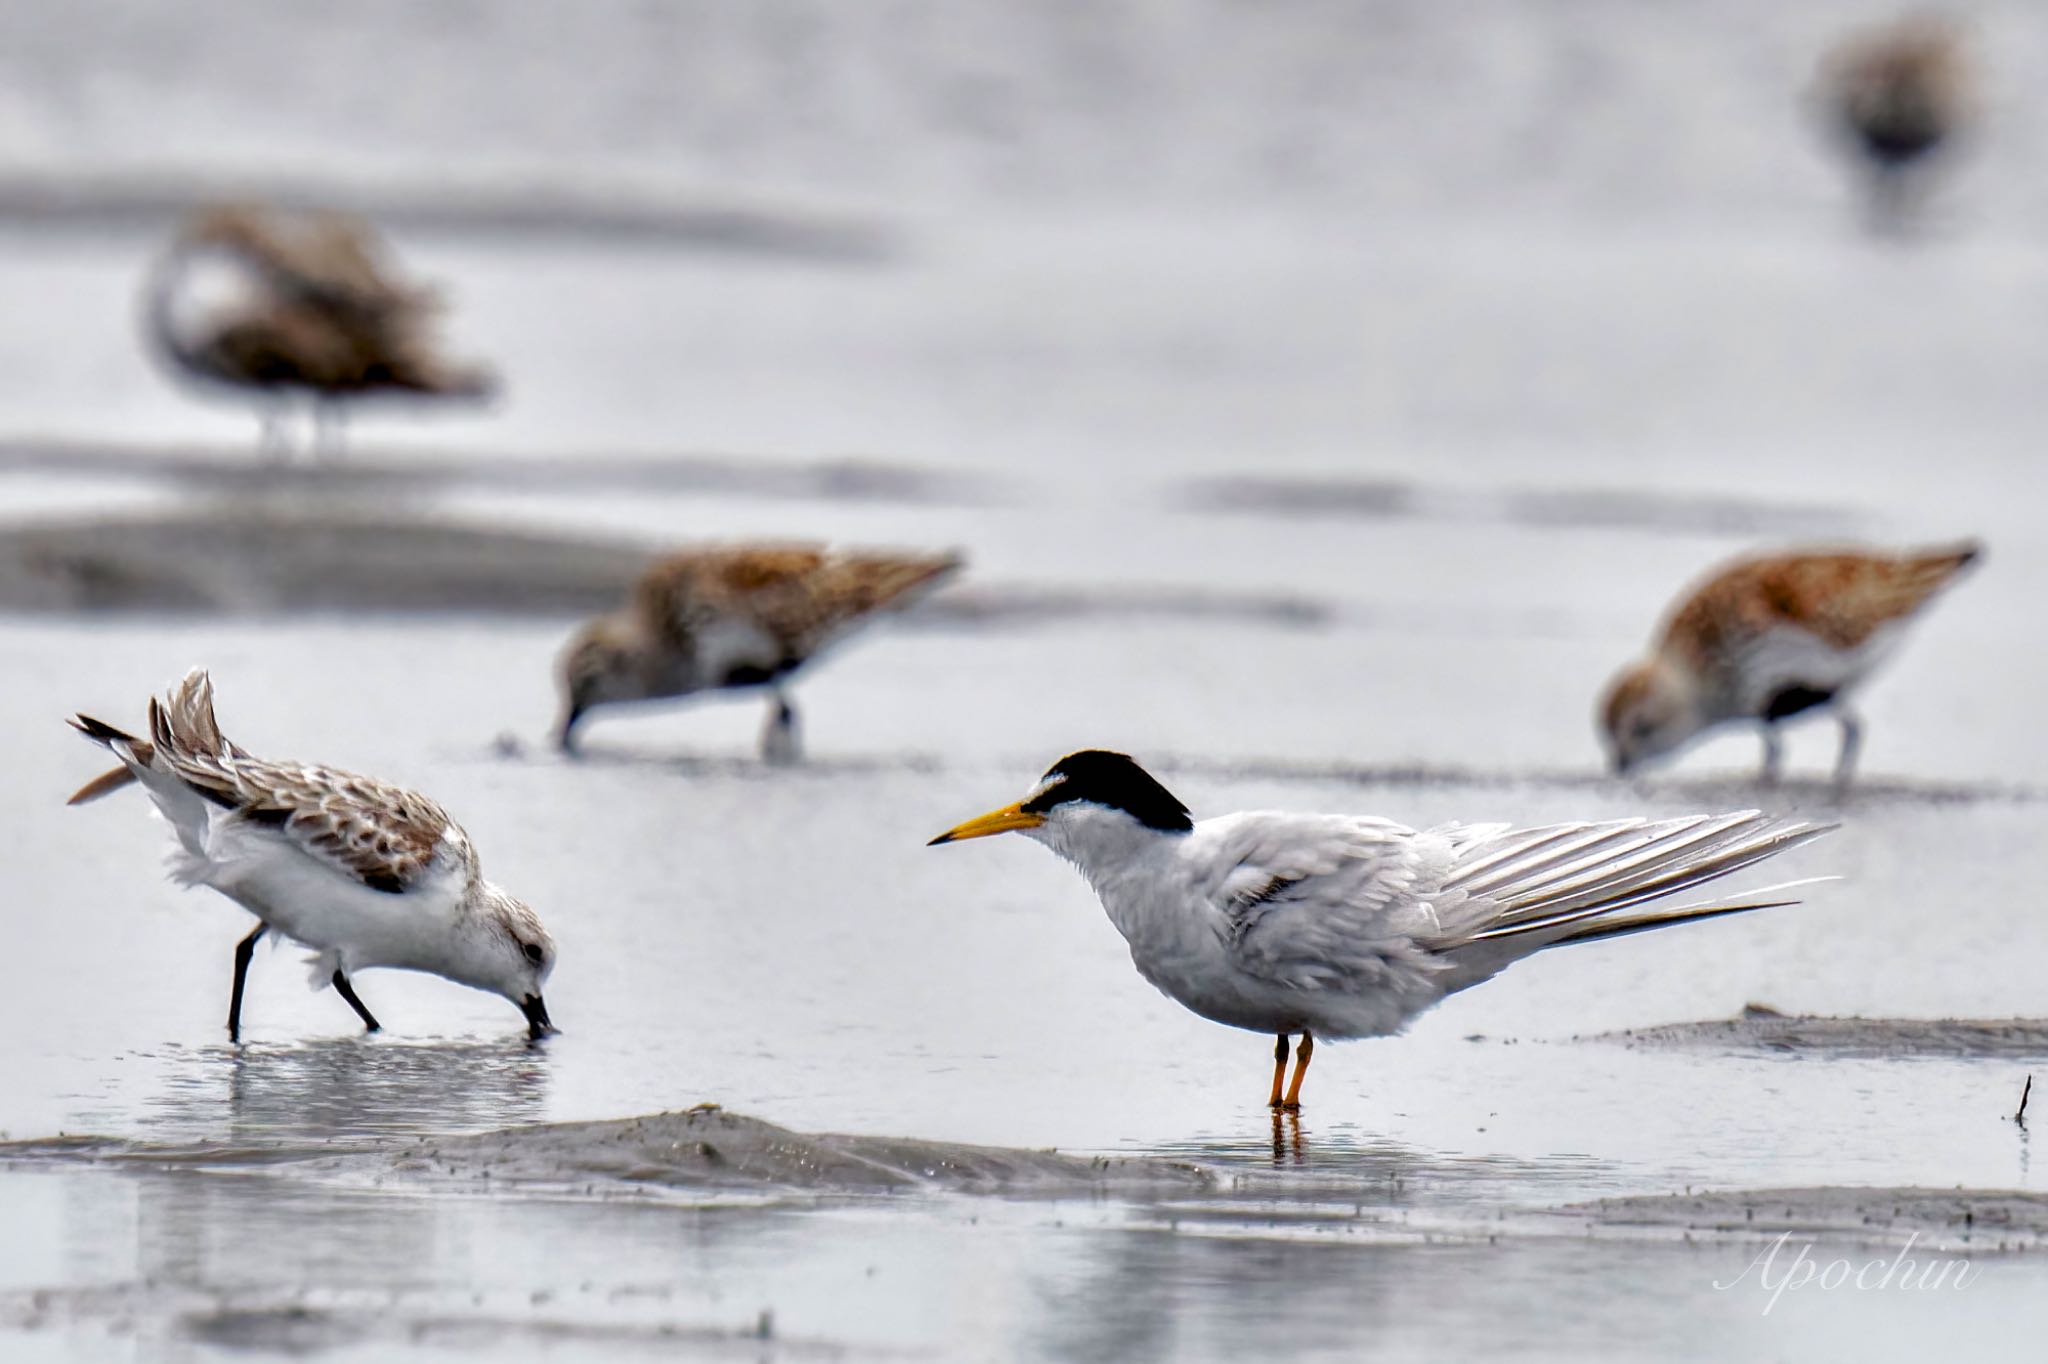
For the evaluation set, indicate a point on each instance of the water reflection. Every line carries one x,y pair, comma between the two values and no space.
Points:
1162,1296
1292,1162
346,1089
1287,1144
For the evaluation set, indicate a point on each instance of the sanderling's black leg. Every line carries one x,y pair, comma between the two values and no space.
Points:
244,950
779,741
1852,746
1774,755
347,992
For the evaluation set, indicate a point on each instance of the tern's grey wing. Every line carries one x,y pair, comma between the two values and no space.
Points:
1318,900
1513,892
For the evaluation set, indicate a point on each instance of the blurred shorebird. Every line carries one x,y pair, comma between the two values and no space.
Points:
280,305
1766,639
1899,93
1339,926
363,872
736,616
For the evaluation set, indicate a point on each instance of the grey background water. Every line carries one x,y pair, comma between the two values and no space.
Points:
1466,336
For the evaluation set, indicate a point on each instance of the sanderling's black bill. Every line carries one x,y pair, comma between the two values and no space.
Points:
538,1024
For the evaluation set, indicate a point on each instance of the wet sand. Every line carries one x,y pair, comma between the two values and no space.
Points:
1981,1221
1761,1028
700,1150
1320,467
587,1191
709,1157
295,552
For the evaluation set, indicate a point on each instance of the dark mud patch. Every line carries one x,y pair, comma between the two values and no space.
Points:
1975,1218
372,474
1563,508
259,556
1762,1029
709,1148
273,1322
1022,604
255,560
702,1150
1791,796
586,214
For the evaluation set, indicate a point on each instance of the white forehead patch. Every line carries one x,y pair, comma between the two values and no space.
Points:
1057,779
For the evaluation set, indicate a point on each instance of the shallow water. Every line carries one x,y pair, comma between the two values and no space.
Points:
1334,478
783,943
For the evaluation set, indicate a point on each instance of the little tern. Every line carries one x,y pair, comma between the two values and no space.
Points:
1344,926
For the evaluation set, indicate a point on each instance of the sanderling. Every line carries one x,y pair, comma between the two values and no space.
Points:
1348,926
1763,640
278,304
736,616
363,872
1899,93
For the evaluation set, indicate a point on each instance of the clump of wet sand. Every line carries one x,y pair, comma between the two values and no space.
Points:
1759,1028
705,1149
707,1153
1955,1218
709,1148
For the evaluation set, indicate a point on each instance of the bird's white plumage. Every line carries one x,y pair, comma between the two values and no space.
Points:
308,898
366,873
1788,656
1349,926
203,289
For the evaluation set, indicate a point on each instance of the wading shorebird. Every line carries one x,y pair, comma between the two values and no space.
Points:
1340,926
285,305
736,617
1899,94
365,873
1766,639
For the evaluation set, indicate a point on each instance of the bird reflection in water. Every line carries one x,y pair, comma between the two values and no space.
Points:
342,1089
1288,1148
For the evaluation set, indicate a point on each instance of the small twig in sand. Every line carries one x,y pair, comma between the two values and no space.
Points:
2025,1090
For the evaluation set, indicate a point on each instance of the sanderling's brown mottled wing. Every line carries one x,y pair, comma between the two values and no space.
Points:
319,254
337,318
382,835
798,595
1902,88
1841,599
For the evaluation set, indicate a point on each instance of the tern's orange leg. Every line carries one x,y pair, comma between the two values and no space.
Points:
1279,1069
1301,1055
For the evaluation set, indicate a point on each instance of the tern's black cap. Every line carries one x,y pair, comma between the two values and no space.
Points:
1111,779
